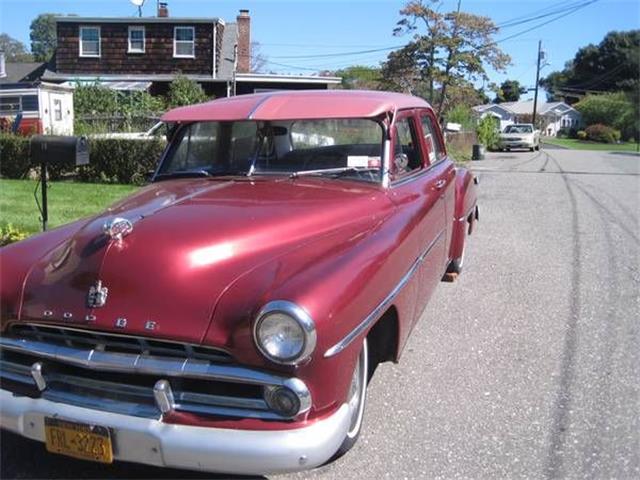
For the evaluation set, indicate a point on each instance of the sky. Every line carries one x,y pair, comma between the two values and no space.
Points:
294,34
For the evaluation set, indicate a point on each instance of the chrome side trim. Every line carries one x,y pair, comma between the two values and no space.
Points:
143,364
366,323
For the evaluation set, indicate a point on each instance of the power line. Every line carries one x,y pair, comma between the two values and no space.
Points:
535,27
560,13
516,22
341,54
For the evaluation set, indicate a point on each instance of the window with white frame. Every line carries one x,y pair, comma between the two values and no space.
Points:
57,109
184,42
89,41
136,39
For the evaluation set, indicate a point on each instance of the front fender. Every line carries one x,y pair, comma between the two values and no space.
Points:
17,259
338,279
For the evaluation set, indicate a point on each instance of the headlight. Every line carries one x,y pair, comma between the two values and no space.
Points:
284,332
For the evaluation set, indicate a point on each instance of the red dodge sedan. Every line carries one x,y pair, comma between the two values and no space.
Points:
228,316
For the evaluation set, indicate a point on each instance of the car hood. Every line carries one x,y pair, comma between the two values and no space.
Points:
191,240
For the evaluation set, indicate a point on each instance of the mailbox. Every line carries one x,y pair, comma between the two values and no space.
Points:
53,149
50,149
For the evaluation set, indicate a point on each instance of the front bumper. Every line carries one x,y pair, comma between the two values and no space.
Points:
152,442
517,144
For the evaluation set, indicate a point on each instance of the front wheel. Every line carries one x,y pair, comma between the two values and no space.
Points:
357,399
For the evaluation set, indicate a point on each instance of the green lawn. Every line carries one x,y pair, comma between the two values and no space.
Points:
583,145
67,202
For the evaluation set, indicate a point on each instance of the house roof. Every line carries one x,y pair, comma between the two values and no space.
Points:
137,20
288,105
154,77
523,107
22,71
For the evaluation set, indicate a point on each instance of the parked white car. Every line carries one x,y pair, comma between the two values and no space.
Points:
520,135
157,131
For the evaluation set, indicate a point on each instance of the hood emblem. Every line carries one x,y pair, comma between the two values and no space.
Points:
117,228
97,295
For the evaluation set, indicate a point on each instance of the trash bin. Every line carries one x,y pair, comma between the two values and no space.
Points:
478,152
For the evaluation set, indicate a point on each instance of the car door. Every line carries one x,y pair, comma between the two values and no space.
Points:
442,170
415,191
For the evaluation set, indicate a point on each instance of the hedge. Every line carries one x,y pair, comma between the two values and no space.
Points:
602,133
112,160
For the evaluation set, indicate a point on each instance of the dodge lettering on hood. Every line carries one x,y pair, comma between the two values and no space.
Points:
227,317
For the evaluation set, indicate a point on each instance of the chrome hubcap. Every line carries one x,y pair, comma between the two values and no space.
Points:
357,392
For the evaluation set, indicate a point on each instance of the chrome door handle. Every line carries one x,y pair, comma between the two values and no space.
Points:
440,184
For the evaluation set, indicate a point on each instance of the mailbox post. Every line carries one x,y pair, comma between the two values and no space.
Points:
54,149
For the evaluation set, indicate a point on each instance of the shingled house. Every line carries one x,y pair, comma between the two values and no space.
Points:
149,52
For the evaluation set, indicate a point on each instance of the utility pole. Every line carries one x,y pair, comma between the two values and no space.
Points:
535,95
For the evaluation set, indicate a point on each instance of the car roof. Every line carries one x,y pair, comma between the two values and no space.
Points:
302,104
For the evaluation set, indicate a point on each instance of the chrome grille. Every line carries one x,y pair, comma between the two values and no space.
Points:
117,373
108,342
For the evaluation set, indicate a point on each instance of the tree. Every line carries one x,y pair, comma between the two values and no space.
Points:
450,49
14,50
612,65
509,91
43,36
258,59
359,77
611,109
184,91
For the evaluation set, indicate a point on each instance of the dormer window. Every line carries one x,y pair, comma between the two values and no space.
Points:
136,39
184,42
89,41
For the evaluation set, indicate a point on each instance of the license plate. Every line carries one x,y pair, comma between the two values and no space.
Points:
79,440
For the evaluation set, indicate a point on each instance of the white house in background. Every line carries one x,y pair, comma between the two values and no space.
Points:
556,115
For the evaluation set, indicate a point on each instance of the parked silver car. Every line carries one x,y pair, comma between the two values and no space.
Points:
520,135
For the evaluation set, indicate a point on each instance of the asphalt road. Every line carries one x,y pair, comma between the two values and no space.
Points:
527,366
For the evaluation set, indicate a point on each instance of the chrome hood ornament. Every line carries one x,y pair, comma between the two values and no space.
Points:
117,228
97,295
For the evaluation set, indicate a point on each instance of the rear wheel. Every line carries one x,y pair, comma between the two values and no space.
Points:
356,400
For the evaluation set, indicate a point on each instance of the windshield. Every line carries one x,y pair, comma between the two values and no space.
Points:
348,148
519,129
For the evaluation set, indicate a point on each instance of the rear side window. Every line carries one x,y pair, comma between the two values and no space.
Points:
431,138
406,156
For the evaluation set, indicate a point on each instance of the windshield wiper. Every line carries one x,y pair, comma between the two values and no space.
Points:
335,172
183,174
200,173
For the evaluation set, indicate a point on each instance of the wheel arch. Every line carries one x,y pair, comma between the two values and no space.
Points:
383,339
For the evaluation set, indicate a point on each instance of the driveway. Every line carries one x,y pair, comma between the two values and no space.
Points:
527,366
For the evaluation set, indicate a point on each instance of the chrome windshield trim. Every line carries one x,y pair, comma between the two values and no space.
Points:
142,364
366,323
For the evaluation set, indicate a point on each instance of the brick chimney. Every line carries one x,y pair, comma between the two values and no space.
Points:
244,41
163,10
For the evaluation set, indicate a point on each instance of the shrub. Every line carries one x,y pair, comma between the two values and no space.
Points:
602,133
14,156
615,110
111,160
10,234
581,135
487,131
183,91
461,114
114,160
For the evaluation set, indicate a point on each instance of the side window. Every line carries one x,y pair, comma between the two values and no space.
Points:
406,155
431,138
